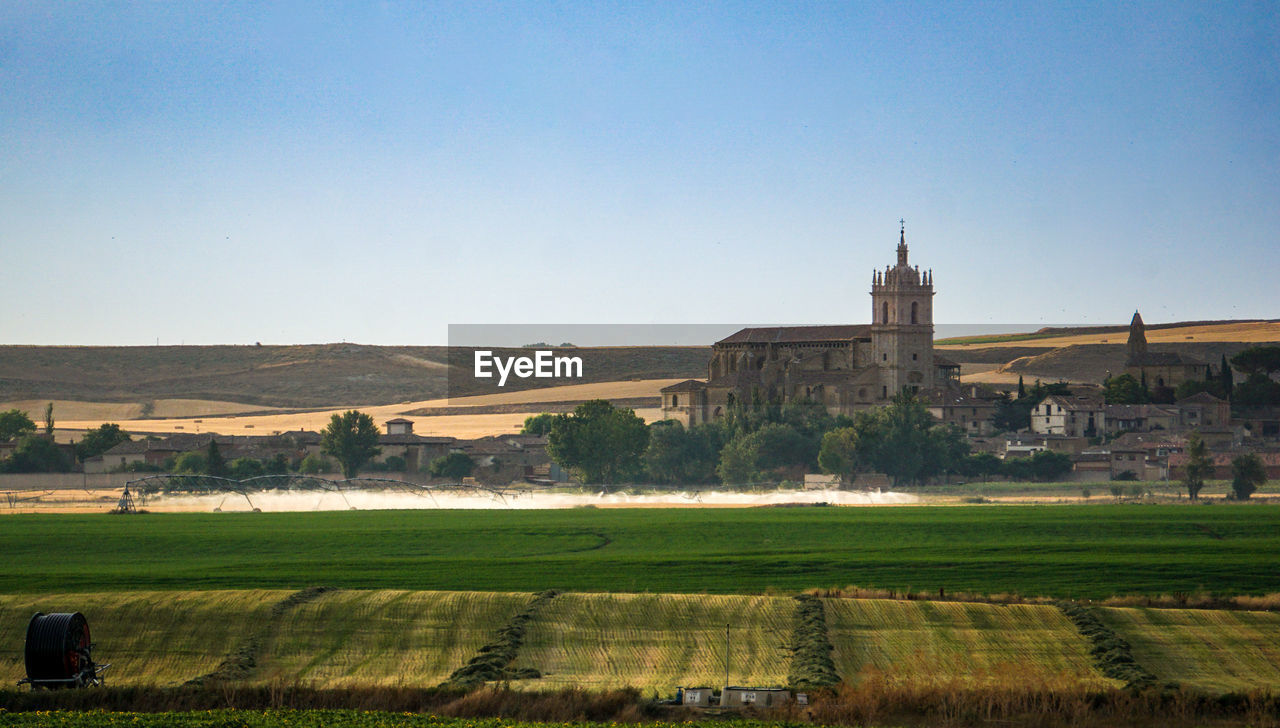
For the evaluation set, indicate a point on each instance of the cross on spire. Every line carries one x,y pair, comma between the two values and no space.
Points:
902,243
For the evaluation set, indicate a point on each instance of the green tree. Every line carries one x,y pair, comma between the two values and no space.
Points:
980,465
1247,475
538,424
455,466
278,465
599,442
190,463
1258,360
738,462
683,456
101,439
1048,466
839,453
48,419
14,425
1124,389
37,454
244,468
314,464
1018,469
775,451
1012,415
1199,466
1226,378
214,463
1258,390
1192,387
902,449
352,439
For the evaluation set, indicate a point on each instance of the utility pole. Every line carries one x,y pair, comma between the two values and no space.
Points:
724,695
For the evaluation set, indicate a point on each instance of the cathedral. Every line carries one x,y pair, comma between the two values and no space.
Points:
845,368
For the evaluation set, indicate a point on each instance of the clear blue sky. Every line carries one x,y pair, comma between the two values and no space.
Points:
371,172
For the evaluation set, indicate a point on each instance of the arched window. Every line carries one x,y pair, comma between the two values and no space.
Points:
914,308
884,312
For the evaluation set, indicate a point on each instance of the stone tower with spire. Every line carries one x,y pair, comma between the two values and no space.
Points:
1137,341
902,325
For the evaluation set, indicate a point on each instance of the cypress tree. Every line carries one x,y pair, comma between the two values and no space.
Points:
215,464
1228,380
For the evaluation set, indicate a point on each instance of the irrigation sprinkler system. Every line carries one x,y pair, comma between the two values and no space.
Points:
213,484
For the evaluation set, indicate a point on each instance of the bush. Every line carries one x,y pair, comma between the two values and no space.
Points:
1127,475
1247,475
454,466
190,463
37,454
244,468
313,464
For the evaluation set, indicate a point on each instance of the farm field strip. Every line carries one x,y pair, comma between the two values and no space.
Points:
922,643
1087,551
148,638
655,642
658,641
383,638
1211,650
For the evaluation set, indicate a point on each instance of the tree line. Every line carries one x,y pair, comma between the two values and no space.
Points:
763,441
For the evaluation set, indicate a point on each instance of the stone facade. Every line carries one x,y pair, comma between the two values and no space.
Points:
1159,370
844,368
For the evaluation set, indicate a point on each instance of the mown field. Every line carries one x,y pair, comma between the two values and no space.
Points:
949,643
655,641
1090,551
391,639
1209,650
383,638
149,638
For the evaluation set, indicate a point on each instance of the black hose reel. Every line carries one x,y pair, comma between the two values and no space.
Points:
59,652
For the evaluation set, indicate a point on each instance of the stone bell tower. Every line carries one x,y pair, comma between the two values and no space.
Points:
902,325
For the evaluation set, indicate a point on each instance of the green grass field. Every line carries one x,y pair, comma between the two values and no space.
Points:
1062,551
1210,650
950,643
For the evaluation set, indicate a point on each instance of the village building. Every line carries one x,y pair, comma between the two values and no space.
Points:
1203,410
1070,415
1140,418
1158,369
845,368
505,458
1221,463
417,450
970,407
